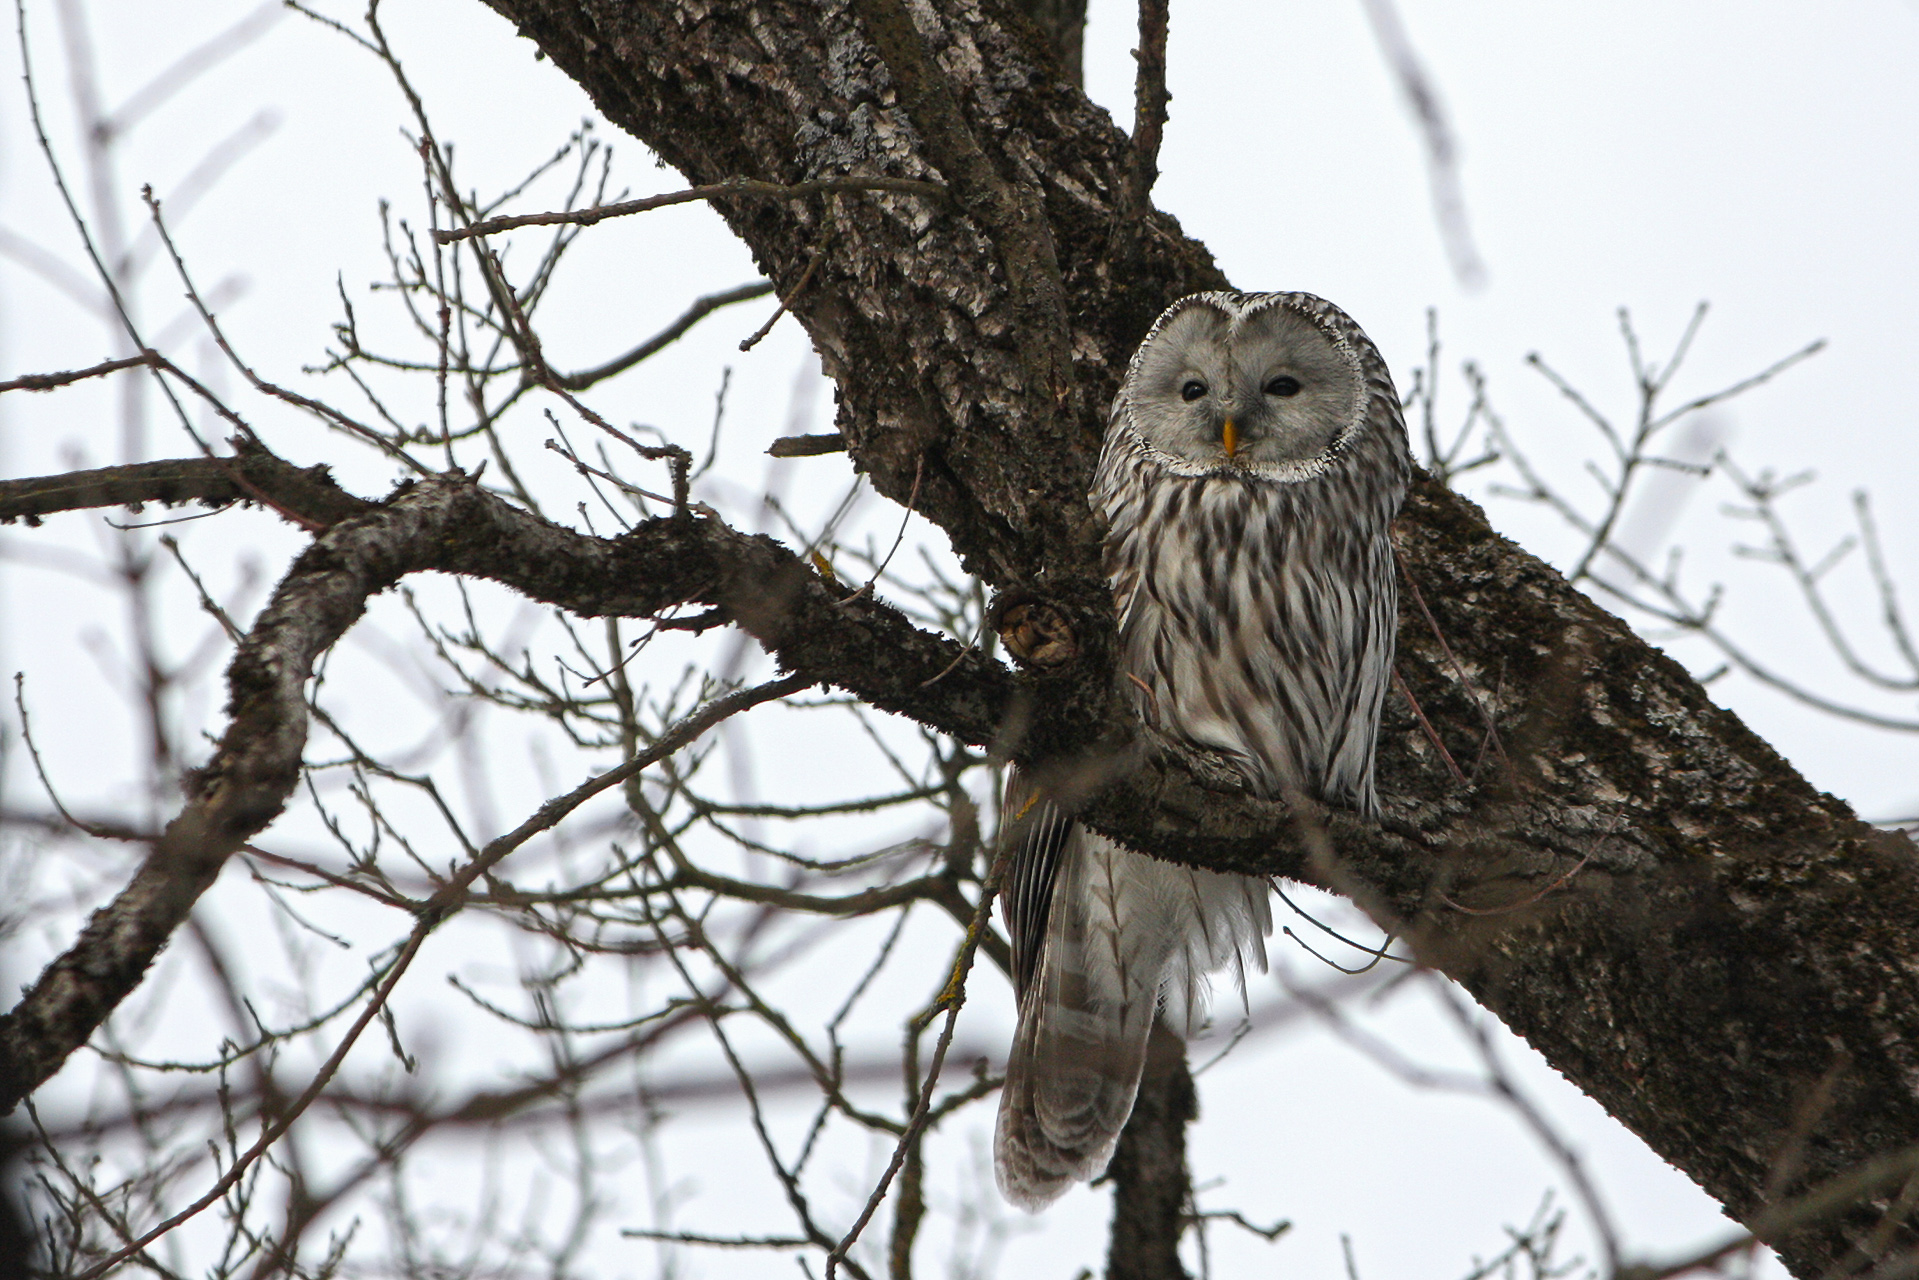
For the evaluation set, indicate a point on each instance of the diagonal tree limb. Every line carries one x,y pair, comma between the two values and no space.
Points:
243,787
454,526
1734,931
445,902
1729,932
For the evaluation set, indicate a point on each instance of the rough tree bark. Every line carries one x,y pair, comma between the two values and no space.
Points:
1732,937
1062,27
1152,1190
1636,883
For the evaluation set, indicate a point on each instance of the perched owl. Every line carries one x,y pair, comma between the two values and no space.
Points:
1253,462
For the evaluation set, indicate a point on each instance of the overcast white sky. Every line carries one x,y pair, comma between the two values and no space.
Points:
1762,156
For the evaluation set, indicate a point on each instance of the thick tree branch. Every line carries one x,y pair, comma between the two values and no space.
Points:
251,474
812,626
1151,1188
1729,932
1632,880
240,790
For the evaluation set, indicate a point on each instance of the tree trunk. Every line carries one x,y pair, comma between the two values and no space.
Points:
1723,957
1638,885
1152,1193
1062,26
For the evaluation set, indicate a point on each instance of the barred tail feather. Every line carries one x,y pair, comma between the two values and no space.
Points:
1123,932
1069,1090
1084,1021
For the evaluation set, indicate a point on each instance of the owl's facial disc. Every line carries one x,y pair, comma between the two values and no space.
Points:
1267,393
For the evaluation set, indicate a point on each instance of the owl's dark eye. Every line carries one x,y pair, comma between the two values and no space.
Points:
1283,385
1193,389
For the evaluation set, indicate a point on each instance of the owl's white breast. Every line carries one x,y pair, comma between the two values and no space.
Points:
1256,618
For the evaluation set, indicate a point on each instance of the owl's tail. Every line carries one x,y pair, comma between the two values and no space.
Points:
1124,935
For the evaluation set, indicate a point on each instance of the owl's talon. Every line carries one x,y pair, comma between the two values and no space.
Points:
1038,636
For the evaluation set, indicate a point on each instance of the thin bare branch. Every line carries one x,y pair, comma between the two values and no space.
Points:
666,337
737,188
1436,132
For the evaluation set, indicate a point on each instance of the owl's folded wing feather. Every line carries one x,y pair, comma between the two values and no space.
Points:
1101,936
1038,829
1085,1013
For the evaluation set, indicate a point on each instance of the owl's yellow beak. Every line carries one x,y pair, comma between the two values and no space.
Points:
1229,439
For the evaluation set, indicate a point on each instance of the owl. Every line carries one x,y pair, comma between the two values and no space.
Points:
1253,462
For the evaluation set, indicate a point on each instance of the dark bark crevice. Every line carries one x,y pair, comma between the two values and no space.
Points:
1060,26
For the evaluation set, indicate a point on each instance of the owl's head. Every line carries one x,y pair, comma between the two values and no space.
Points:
1269,385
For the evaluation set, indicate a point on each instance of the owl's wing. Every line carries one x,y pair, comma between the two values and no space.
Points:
1093,969
1077,1055
1125,579
1038,829
1102,936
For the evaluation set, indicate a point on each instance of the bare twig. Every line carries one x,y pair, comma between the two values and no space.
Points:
1149,105
434,912
735,188
48,381
1504,1086
949,1000
1432,735
700,309
1436,131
